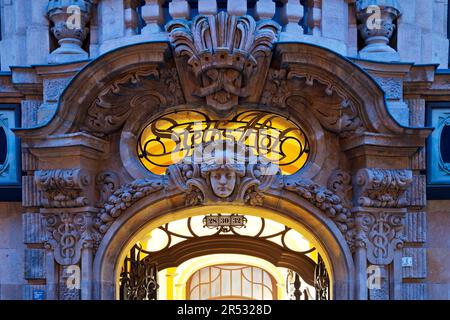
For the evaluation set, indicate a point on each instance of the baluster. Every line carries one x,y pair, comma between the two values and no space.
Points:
131,17
207,7
180,9
315,17
237,7
291,14
152,13
264,9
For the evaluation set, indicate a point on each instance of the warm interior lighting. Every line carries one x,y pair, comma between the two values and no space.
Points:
172,137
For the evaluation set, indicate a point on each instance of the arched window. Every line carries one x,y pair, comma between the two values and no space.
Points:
221,282
172,137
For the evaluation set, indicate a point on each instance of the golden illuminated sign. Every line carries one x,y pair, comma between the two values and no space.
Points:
174,136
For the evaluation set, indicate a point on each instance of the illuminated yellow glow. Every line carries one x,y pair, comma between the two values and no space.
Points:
237,209
189,267
172,137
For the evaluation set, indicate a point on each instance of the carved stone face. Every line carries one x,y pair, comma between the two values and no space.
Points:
223,182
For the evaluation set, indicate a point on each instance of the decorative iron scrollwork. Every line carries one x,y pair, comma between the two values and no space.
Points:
321,280
175,136
138,279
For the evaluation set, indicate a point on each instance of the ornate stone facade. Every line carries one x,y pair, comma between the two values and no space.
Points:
361,192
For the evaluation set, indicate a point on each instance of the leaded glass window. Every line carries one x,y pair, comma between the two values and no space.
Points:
175,136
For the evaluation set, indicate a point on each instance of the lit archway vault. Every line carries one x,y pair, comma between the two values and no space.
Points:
90,180
179,241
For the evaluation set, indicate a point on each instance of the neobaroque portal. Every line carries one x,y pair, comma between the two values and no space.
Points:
104,167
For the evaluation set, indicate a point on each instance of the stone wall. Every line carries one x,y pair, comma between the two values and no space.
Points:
438,279
11,251
422,32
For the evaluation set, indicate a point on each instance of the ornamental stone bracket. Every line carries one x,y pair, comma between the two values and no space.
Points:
222,57
381,195
63,188
382,188
380,232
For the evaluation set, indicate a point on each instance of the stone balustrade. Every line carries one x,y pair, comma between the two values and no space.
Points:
145,20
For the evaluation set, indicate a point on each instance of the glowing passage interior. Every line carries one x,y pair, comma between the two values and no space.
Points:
223,256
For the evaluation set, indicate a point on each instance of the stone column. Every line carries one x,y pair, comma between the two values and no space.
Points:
377,25
291,15
381,201
69,19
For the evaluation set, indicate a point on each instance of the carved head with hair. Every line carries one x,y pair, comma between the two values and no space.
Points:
223,165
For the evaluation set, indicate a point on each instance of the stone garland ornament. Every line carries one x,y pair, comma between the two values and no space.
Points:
62,188
382,188
335,110
225,54
123,198
324,199
148,87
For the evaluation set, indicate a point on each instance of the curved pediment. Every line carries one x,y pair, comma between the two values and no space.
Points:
343,97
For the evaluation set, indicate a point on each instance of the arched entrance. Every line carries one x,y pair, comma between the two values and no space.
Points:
87,177
253,238
272,245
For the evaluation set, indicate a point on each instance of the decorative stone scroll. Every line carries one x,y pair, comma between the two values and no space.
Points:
68,231
106,182
335,110
340,182
227,55
62,188
148,87
383,188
